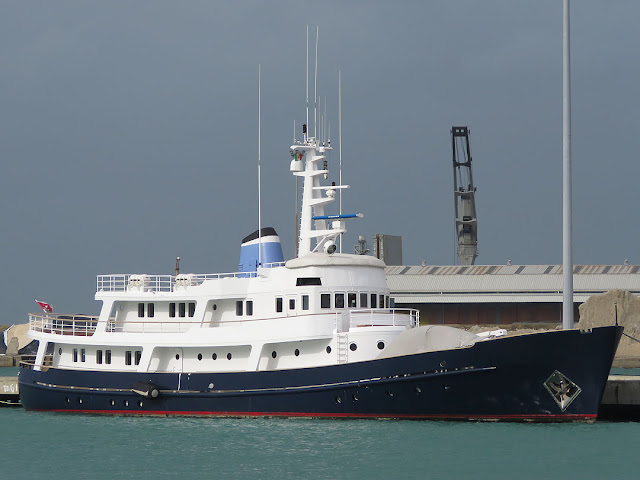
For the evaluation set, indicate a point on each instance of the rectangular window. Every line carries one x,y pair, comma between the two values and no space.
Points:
278,304
127,357
75,354
249,307
352,300
107,356
339,300
138,356
305,302
363,300
381,301
386,301
172,309
151,309
302,282
181,309
99,357
374,300
239,308
141,309
192,309
325,300
83,355
292,304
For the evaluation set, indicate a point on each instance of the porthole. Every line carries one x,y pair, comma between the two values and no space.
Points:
112,402
390,393
199,356
79,400
140,403
380,345
274,354
338,400
297,352
229,356
355,397
328,349
210,386
214,356
353,347
418,390
215,307
443,363
59,351
67,399
177,356
126,403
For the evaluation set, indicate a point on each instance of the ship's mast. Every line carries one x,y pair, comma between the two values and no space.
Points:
309,161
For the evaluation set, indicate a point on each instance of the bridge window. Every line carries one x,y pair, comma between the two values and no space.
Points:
181,309
138,356
339,300
304,281
381,301
374,300
141,309
305,302
172,309
127,357
325,300
192,309
352,300
278,304
99,357
363,300
107,356
386,301
249,307
151,309
239,308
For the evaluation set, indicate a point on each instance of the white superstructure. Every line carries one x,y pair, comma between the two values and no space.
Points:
321,308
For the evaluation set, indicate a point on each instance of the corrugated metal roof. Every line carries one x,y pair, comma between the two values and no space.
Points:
505,283
510,270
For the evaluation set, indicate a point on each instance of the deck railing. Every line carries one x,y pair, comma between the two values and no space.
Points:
79,325
165,283
384,317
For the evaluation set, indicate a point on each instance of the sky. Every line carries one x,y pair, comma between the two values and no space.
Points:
129,132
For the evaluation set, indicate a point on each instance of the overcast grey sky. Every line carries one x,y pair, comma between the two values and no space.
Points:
128,131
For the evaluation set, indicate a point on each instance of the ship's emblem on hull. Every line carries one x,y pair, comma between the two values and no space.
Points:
563,390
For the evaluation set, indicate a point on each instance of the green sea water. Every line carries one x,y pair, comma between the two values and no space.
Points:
38,445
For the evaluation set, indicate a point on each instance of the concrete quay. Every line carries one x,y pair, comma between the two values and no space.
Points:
9,395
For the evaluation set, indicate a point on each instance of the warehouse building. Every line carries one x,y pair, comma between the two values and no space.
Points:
501,294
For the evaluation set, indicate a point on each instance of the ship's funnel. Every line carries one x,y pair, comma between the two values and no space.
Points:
270,246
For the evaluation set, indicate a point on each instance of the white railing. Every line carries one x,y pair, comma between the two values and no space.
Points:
384,317
78,325
165,283
163,326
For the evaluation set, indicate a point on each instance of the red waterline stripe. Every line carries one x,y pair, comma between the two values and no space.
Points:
327,415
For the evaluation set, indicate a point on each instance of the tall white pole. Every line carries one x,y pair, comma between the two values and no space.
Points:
307,86
340,141
259,179
567,253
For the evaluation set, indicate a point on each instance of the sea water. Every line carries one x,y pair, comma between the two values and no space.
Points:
41,445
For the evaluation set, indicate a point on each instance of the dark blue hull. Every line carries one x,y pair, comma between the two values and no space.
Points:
512,378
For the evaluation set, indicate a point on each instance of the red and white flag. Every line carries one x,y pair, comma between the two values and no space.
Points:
45,306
